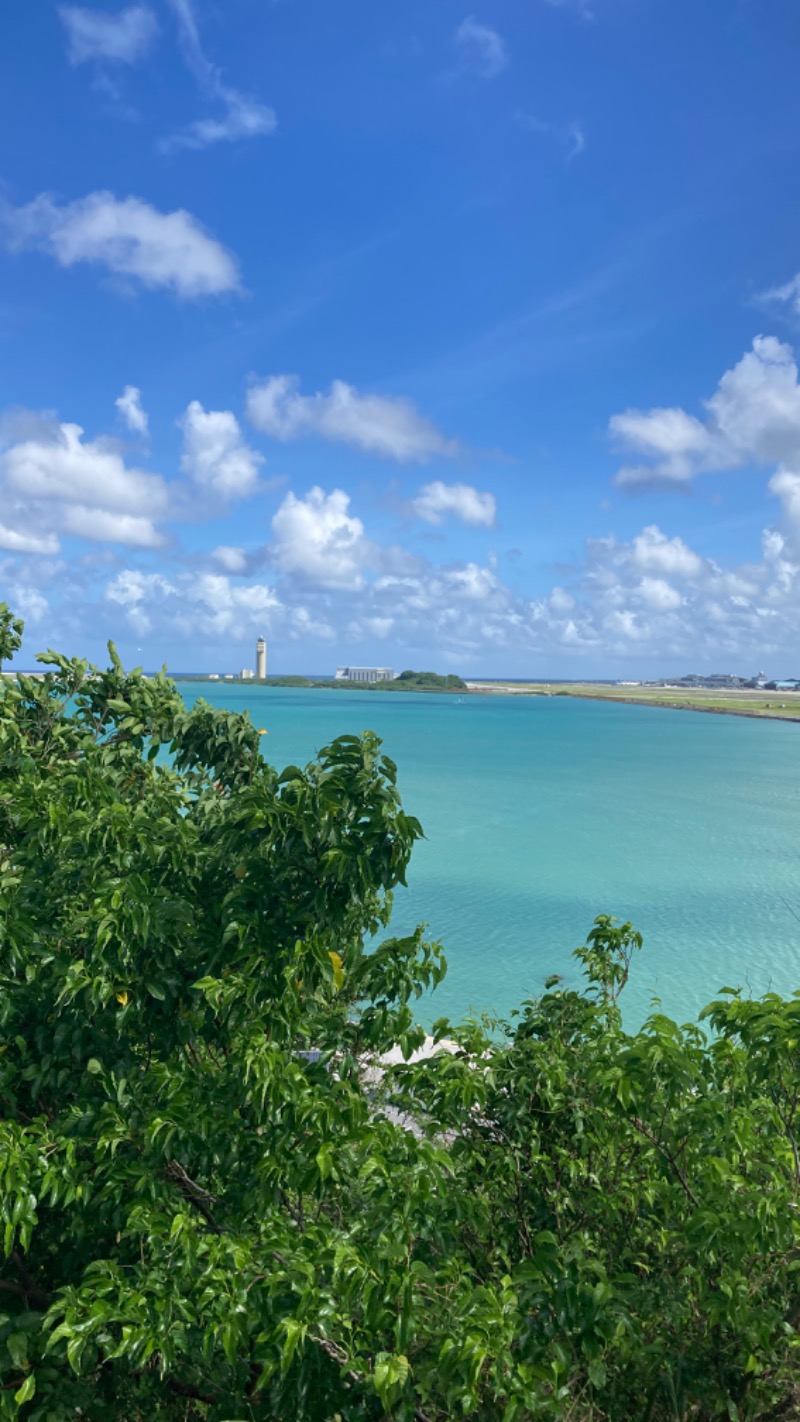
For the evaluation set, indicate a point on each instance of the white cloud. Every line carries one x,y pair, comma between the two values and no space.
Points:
652,600
437,501
135,591
752,417
103,526
28,604
62,482
651,551
481,51
659,594
129,404
317,539
243,117
131,587
380,424
204,604
788,294
785,484
16,540
123,38
215,454
233,560
130,238
74,470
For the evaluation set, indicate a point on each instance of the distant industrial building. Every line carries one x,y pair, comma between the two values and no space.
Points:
365,674
247,674
261,659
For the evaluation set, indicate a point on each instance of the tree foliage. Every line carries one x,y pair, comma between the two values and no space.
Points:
214,1208
428,681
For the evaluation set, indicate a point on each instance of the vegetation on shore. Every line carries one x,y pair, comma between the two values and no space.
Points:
212,1213
406,681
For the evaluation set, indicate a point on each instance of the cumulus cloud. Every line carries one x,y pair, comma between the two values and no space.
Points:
651,551
481,50
380,424
60,482
752,417
650,600
123,37
242,117
129,404
437,501
201,604
317,539
215,455
168,250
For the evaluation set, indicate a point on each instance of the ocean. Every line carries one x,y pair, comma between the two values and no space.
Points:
540,813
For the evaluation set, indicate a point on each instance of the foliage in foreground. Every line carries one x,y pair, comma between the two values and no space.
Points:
203,1219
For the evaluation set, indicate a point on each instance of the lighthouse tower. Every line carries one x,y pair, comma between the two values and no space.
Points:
261,659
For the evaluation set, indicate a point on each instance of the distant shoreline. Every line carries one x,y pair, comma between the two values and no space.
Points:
756,709
749,705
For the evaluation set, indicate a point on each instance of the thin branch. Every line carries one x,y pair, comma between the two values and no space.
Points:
668,1156
194,1193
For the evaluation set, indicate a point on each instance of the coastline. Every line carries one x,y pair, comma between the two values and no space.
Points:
736,704
788,712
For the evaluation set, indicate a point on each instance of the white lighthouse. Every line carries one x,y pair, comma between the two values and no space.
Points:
261,659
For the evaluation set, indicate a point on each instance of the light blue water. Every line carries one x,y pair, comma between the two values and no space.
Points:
542,812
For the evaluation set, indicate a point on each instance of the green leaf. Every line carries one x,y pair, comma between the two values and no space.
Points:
25,1392
17,1345
597,1373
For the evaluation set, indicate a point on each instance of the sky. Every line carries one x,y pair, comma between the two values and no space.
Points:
456,334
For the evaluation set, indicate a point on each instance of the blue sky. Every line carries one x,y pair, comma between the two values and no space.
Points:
447,334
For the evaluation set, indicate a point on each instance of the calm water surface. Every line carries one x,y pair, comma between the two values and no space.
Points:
541,813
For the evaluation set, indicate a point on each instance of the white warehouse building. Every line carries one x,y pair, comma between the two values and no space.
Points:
365,674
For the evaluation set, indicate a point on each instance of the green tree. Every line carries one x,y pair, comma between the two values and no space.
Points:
215,1209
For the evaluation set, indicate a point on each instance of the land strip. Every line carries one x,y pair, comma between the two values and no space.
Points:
769,706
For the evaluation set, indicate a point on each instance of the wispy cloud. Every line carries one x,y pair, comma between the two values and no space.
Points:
121,38
129,238
788,294
481,50
243,116
569,136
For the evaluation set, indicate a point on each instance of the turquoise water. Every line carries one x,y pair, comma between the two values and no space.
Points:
542,812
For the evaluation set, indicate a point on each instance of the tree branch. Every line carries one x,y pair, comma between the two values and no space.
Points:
668,1156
